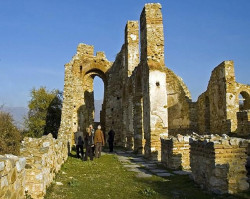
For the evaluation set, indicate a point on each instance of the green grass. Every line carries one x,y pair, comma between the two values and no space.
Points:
106,178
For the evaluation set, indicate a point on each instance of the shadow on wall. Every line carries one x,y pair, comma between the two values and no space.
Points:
53,117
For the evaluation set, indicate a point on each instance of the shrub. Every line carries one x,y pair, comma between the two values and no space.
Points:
9,135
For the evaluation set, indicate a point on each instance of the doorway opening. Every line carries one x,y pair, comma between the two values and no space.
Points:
98,97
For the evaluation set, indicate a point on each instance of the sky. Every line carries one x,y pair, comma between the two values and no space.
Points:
37,38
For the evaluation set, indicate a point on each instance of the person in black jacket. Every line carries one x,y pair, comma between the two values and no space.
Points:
89,143
111,140
79,143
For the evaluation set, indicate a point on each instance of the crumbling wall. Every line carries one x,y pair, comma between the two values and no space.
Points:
218,163
78,102
218,106
34,170
176,152
181,111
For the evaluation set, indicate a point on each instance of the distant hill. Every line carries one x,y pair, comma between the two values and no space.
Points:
98,108
18,114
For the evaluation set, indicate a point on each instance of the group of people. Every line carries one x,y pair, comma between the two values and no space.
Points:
93,141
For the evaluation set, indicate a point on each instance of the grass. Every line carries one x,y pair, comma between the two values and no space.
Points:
107,178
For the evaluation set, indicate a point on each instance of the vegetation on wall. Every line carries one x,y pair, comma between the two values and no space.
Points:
44,112
9,135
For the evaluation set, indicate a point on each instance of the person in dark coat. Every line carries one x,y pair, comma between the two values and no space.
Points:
111,140
92,130
89,142
79,143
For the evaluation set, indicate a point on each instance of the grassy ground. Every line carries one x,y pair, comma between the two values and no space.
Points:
107,178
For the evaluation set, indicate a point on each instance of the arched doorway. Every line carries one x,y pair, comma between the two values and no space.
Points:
98,98
94,95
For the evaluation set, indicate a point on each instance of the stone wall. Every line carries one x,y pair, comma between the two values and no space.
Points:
176,152
12,176
217,107
181,112
34,170
218,163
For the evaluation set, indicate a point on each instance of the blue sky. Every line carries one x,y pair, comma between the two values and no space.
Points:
38,37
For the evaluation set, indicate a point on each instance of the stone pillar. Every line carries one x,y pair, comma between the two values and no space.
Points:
152,37
129,123
138,124
218,164
154,79
132,47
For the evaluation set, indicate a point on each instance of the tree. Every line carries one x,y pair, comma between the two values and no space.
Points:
44,112
10,137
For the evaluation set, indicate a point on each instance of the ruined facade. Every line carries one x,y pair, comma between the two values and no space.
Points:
144,99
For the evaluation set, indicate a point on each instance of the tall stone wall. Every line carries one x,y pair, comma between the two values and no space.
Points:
218,164
34,170
181,111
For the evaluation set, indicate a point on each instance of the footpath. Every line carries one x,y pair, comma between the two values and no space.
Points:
145,168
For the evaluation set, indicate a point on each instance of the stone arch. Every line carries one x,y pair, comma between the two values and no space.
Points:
87,110
244,100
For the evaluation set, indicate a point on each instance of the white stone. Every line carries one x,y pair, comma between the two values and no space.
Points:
2,166
59,183
46,144
12,157
4,181
133,37
20,164
39,176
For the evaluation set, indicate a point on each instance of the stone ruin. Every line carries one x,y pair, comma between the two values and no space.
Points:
150,109
144,99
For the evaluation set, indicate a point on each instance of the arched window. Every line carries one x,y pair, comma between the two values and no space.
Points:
244,101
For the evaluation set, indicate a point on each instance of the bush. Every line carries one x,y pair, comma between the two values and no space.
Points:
10,137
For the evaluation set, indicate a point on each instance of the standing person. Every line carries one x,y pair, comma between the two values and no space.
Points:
79,143
92,130
111,140
99,141
89,142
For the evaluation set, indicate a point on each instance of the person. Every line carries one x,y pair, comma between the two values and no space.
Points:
89,142
111,140
99,142
93,134
79,143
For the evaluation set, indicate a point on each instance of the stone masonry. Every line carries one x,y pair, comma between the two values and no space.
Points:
176,152
34,170
218,163
144,99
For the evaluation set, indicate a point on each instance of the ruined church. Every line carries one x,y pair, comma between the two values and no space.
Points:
151,110
145,100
